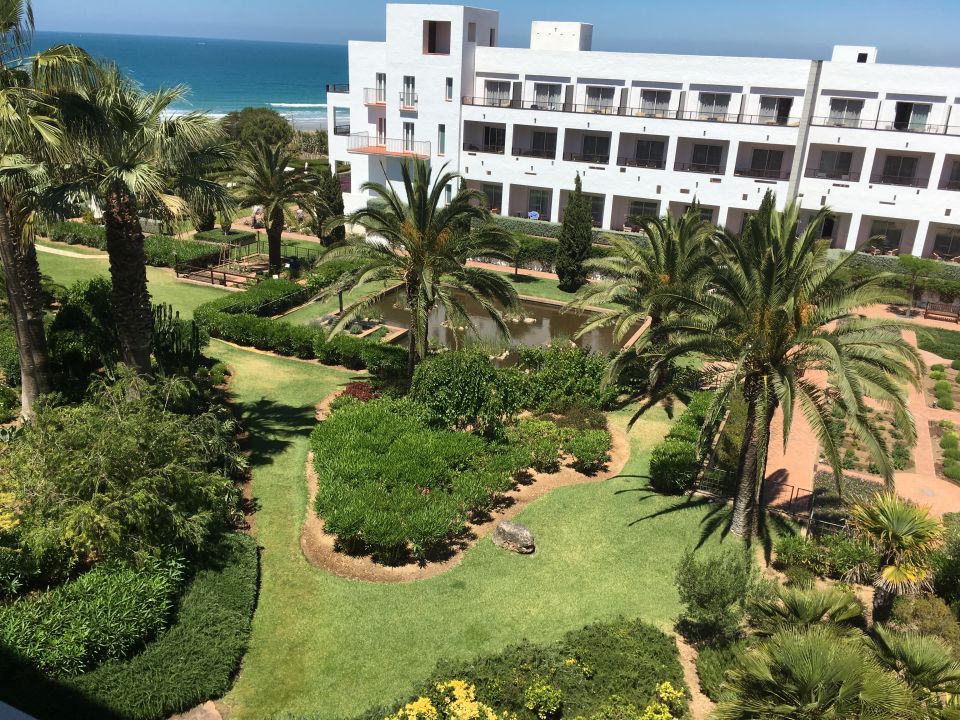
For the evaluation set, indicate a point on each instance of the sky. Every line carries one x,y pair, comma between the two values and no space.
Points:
918,32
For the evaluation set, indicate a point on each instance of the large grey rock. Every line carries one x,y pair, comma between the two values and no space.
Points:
514,537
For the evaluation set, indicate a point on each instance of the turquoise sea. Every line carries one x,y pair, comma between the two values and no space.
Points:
224,75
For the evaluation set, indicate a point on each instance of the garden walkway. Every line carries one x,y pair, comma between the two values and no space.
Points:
70,253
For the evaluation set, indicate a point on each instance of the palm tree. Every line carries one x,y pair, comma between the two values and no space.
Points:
30,135
798,607
811,674
270,176
778,325
131,158
424,246
906,537
927,665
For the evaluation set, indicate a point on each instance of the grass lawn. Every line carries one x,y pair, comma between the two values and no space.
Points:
162,283
945,343
331,647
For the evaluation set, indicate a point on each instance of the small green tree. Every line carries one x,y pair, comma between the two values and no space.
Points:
329,206
254,126
917,267
576,238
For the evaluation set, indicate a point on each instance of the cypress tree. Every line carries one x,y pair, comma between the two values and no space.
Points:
576,239
330,205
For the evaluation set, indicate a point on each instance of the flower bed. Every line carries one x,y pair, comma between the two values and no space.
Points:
942,386
855,456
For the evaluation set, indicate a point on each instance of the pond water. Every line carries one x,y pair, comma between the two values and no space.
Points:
542,322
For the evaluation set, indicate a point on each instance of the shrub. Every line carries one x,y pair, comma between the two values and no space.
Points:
219,236
73,233
361,391
328,272
955,364
901,456
713,591
941,386
9,401
928,615
946,577
713,661
560,372
9,357
159,250
101,615
458,389
590,449
951,468
799,577
798,551
543,699
673,465
537,442
849,558
950,441
685,429
936,368
577,416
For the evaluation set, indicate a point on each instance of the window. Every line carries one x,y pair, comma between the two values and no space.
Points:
655,103
911,116
899,170
885,234
380,92
706,213
861,57
381,131
946,243
448,90
408,137
845,112
649,153
953,182
775,110
600,99
494,195
538,201
544,144
596,148
714,106
766,163
835,164
408,98
493,37
828,226
707,158
546,96
494,138
471,32
436,37
441,139
497,93
596,208
448,193
644,208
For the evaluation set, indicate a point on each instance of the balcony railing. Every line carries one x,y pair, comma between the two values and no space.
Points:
762,173
395,147
877,125
494,149
535,153
338,87
408,101
699,168
842,175
950,185
905,180
595,158
374,96
650,163
341,129
708,116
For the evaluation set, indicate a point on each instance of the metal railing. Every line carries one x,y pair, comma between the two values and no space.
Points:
408,101
399,147
535,153
650,163
904,180
848,176
338,87
341,129
762,173
707,116
594,158
699,168
374,96
494,149
895,126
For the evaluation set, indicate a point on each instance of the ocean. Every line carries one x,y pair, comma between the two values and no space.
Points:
224,75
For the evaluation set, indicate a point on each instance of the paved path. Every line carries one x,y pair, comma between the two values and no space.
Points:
70,254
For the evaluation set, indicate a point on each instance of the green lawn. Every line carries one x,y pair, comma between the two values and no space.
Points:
162,283
945,343
333,647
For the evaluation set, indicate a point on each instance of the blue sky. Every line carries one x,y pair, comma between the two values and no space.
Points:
922,31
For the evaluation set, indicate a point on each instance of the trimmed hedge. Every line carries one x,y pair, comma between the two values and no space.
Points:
160,250
545,228
217,236
674,462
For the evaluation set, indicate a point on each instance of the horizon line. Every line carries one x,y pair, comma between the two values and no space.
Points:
186,37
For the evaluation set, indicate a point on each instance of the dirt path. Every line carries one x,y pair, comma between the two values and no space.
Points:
318,546
700,705
70,254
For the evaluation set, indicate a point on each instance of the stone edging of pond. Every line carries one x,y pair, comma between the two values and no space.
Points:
318,546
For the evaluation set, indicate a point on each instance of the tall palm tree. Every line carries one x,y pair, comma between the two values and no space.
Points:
906,537
422,245
271,177
779,326
812,674
131,157
30,136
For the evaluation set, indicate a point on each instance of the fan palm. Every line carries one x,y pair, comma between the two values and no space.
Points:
781,327
271,177
813,674
30,136
797,607
423,246
906,537
132,158
926,664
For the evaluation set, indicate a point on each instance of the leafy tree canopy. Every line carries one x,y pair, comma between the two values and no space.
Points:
254,125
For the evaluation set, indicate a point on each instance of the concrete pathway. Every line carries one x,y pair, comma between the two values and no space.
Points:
69,253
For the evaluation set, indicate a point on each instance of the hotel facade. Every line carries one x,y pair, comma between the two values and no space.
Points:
652,133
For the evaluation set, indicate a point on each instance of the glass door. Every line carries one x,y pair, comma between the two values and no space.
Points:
381,89
381,131
408,137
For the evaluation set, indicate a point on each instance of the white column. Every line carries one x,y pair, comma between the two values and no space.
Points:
505,199
670,158
920,239
732,149
853,231
555,204
722,213
607,212
508,141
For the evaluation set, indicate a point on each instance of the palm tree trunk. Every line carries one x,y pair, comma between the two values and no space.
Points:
128,273
25,297
753,465
882,604
274,236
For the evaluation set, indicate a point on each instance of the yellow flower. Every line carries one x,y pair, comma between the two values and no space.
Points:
419,709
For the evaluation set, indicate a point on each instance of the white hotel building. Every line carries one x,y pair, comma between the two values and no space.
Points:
649,133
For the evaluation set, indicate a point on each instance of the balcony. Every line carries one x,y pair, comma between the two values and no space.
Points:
341,129
762,174
376,97
903,180
707,116
408,101
364,144
593,158
492,149
338,88
649,163
950,185
851,122
843,176
535,153
699,168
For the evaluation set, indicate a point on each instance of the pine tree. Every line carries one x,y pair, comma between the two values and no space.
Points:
330,205
576,238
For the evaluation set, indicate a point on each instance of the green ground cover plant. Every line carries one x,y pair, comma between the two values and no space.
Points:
160,250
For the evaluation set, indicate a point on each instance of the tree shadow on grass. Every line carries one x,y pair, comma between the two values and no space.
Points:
272,426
